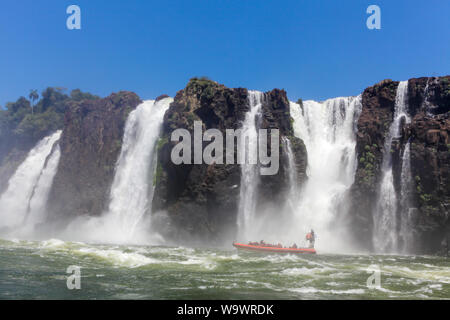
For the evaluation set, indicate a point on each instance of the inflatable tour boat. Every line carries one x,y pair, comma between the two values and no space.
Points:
260,248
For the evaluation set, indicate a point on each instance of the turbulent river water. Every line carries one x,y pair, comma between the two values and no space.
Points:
37,270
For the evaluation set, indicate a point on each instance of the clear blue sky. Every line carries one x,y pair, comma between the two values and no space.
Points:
314,49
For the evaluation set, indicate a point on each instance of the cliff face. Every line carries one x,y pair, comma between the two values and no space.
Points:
201,201
276,115
90,145
429,102
378,104
9,164
429,106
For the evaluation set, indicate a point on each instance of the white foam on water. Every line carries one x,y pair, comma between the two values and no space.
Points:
119,257
332,291
306,271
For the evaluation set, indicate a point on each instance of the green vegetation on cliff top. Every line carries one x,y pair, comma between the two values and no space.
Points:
25,120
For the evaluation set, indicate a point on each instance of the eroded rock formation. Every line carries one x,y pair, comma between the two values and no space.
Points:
90,145
202,200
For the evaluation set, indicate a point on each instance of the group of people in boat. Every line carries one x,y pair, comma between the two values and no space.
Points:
311,237
263,244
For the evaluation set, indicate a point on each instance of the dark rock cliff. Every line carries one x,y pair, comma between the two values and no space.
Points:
276,115
90,145
201,200
428,133
378,104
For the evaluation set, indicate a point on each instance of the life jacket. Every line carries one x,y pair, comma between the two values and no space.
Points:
309,236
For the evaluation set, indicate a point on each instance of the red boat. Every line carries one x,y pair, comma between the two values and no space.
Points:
273,249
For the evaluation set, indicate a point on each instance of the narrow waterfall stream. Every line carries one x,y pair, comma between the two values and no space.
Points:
292,171
385,236
405,233
249,167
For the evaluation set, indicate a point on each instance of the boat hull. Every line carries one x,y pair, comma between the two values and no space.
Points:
249,247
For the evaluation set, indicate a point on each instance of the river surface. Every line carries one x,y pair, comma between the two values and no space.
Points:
37,270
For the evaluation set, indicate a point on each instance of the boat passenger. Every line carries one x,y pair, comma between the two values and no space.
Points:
311,238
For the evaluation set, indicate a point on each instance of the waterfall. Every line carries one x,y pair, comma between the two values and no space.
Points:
132,188
23,203
36,209
292,171
128,217
249,167
405,205
385,237
328,130
427,106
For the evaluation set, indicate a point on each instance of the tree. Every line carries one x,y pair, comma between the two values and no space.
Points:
33,97
78,95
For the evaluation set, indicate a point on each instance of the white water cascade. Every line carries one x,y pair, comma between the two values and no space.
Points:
405,192
249,168
132,188
23,203
385,235
292,171
328,130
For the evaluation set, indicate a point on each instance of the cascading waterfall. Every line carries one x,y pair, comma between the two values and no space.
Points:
385,235
292,171
37,204
132,188
405,205
23,203
128,217
328,130
249,167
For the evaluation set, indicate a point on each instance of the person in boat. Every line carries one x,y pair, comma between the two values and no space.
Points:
294,246
262,243
311,238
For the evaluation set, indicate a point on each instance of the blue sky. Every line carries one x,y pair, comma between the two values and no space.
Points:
313,49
